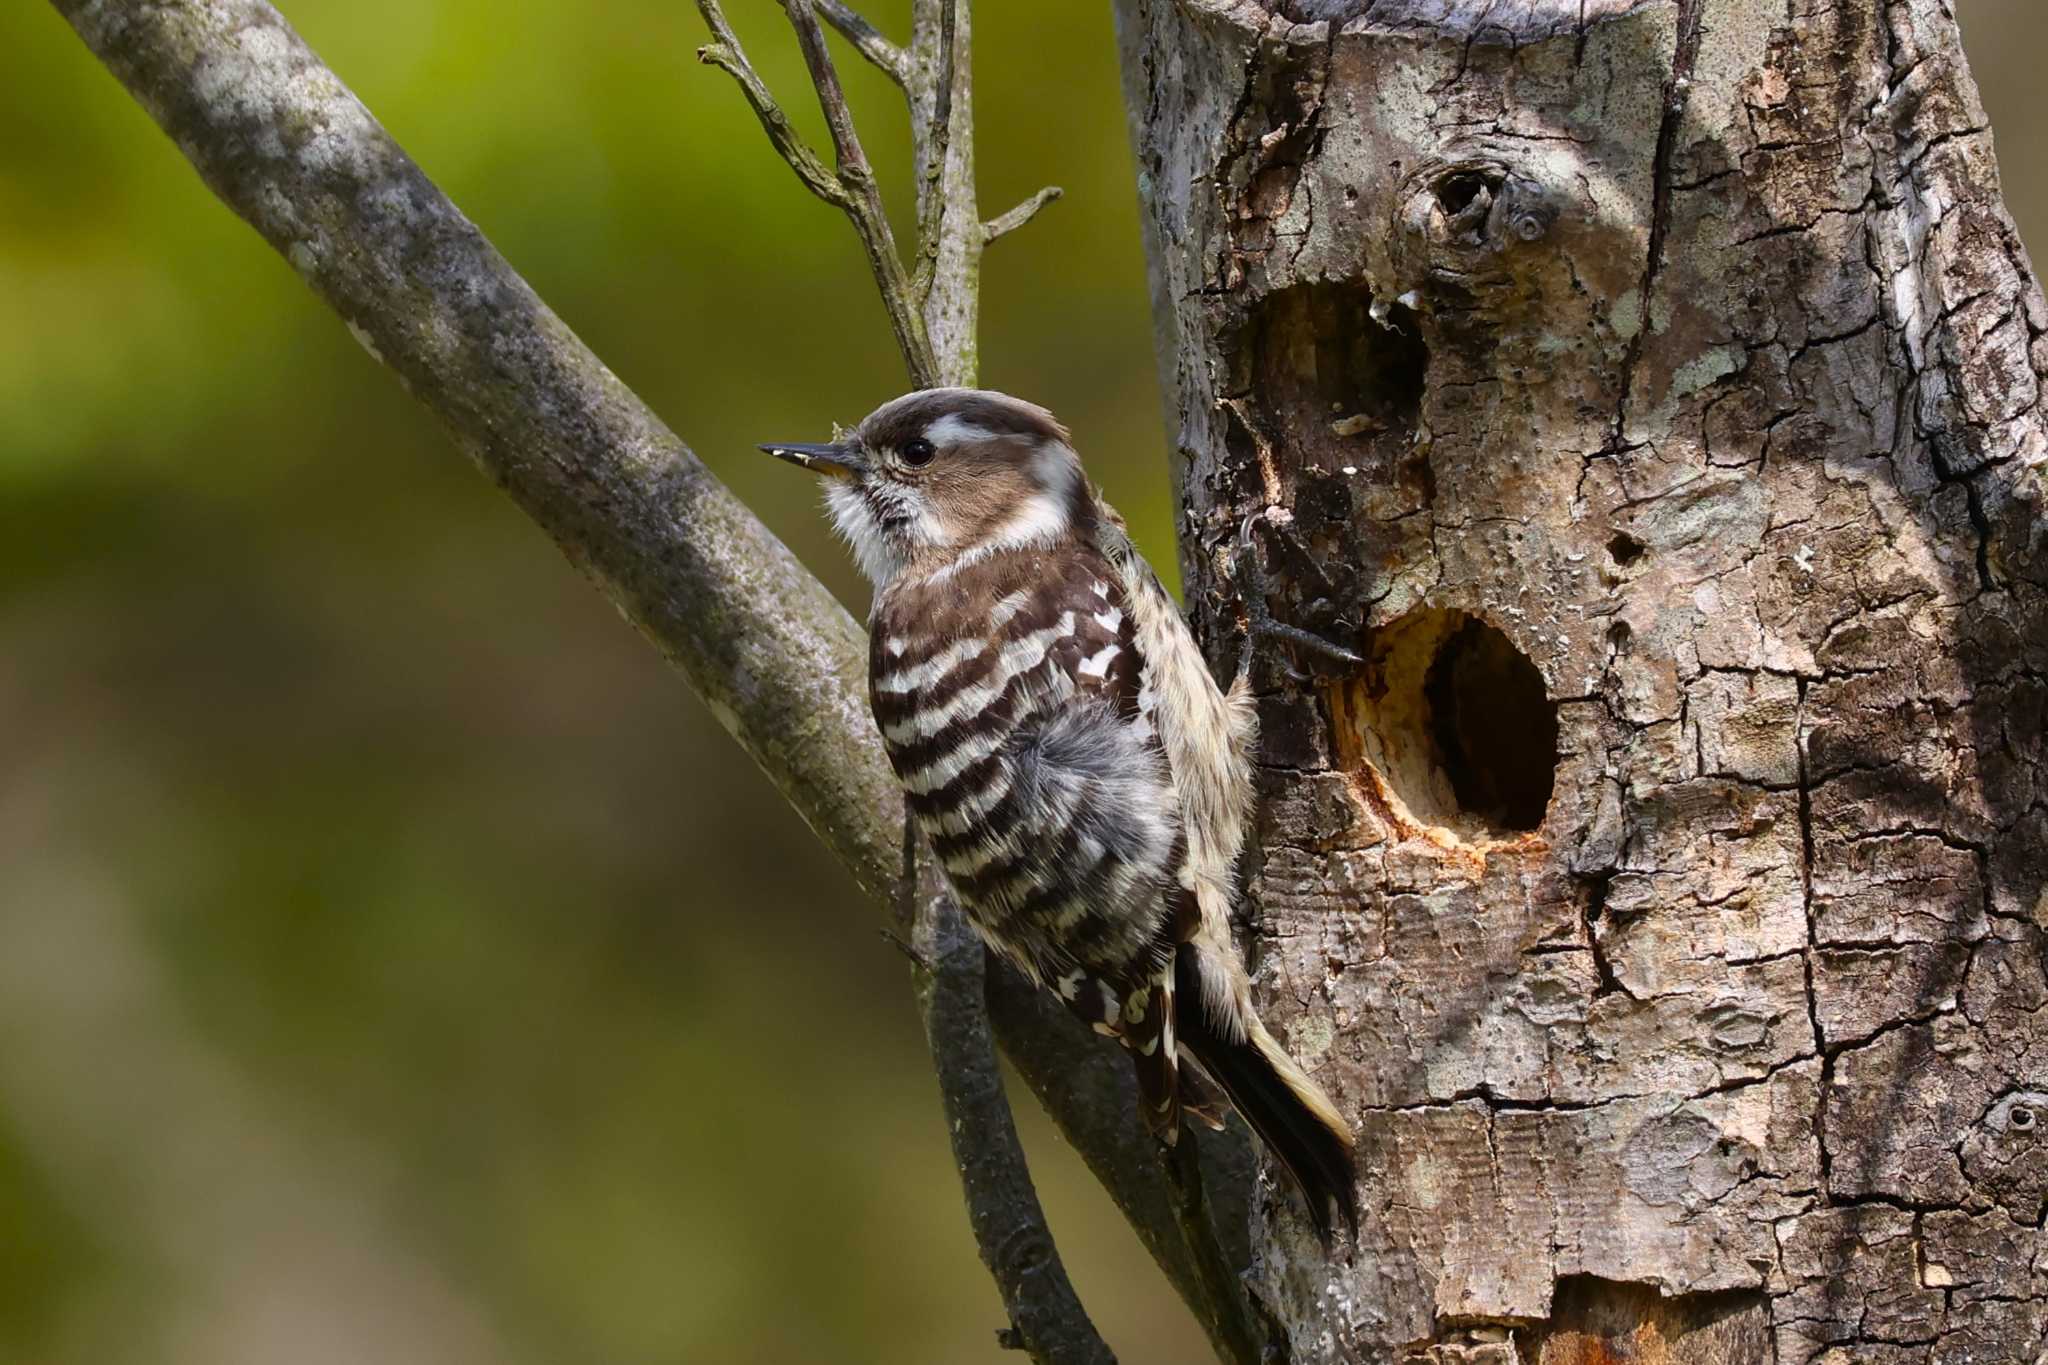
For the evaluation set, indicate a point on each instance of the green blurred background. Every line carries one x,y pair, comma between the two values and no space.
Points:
395,962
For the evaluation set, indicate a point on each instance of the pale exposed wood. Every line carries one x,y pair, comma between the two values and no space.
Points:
1689,347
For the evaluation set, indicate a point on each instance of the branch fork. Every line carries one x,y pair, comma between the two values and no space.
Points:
932,303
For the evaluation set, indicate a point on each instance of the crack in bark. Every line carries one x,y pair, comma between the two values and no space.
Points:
1677,93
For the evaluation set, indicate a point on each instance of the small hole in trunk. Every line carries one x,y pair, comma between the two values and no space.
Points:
1624,549
1459,190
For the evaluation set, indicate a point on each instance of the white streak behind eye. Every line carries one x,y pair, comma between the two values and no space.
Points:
1056,468
952,429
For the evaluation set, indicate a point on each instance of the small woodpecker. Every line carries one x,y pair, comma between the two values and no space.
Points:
1081,778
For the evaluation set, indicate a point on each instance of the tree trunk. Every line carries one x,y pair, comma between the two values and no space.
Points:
1650,390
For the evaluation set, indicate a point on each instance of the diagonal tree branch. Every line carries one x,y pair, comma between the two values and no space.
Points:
286,145
1204,1246
866,39
280,139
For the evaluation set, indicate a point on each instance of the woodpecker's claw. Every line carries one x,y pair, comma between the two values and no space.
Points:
1259,621
1267,628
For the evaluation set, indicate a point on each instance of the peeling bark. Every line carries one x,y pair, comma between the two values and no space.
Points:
1650,389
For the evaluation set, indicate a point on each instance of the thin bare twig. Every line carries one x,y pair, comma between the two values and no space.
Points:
727,55
1002,225
949,70
850,187
1047,1319
864,206
867,40
932,204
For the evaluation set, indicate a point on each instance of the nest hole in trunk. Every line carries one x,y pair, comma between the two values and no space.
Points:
1454,723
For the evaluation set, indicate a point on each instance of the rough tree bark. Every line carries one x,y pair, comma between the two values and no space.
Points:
1652,388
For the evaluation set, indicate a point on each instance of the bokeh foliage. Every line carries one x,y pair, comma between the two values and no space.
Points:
395,963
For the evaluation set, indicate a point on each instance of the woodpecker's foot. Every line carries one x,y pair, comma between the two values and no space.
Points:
902,945
1259,622
1198,1100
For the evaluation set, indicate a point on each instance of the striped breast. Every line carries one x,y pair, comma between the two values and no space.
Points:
1007,696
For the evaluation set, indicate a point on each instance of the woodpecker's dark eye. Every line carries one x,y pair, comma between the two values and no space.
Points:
917,450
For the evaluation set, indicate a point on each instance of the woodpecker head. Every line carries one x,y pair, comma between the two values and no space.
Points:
944,474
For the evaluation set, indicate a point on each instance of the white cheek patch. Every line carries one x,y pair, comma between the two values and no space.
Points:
855,522
882,522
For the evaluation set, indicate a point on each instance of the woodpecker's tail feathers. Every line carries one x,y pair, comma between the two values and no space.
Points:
1288,1110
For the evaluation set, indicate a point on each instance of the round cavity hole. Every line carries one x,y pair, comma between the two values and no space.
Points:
1624,549
1455,722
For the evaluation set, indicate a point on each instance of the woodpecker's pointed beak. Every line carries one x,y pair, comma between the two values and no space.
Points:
840,459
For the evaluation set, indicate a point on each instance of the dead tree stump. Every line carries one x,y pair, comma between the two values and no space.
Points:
1650,389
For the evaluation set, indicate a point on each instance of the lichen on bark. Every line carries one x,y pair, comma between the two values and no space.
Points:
1689,348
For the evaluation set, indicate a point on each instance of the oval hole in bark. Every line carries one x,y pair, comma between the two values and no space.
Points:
1454,723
